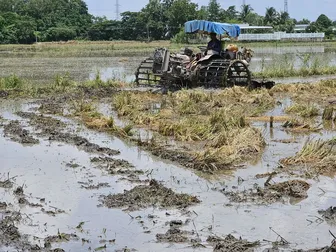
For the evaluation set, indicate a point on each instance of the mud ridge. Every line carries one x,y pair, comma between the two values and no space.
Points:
143,196
329,215
116,166
232,244
174,235
271,193
51,128
17,134
10,235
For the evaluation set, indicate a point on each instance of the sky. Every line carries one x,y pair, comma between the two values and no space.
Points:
298,9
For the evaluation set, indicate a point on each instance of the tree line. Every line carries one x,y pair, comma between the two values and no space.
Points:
27,21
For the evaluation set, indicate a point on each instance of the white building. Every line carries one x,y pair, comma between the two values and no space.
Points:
299,34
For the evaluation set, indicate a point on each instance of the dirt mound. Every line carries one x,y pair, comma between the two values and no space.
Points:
89,186
329,215
60,237
332,248
52,128
81,143
272,193
116,166
51,108
41,122
173,235
154,194
111,161
10,235
6,184
293,188
232,244
16,133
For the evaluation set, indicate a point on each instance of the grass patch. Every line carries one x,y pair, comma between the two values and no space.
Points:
11,82
304,110
318,157
118,48
281,72
13,86
213,121
320,92
283,66
87,112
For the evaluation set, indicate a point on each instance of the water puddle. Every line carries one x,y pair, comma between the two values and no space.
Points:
44,172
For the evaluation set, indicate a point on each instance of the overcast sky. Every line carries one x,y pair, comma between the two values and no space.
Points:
298,9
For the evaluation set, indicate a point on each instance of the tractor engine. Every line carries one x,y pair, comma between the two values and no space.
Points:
158,58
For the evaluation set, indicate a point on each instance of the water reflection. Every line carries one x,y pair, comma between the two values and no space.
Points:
44,70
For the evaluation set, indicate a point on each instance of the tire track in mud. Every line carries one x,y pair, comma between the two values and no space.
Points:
52,129
47,130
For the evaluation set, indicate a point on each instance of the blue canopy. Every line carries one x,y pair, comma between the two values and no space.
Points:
206,26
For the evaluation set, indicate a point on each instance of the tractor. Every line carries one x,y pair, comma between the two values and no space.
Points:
208,69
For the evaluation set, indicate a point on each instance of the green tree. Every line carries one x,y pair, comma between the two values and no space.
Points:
63,33
230,14
254,19
323,22
283,17
104,29
214,11
303,21
153,16
271,16
245,11
202,13
133,26
180,12
44,15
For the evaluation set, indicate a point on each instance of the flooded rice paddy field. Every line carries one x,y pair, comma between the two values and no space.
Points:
42,69
69,187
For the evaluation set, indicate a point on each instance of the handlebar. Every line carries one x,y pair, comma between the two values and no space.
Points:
202,48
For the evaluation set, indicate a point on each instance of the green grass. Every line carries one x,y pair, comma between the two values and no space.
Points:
85,49
301,72
304,110
119,48
11,82
302,65
19,87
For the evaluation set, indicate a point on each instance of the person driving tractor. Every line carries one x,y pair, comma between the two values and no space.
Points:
214,43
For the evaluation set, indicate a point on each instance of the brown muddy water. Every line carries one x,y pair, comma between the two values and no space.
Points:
52,173
43,70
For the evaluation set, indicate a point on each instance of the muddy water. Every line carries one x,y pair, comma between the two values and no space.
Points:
43,70
43,171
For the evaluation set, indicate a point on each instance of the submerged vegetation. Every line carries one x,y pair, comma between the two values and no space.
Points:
317,157
15,86
213,121
212,130
304,110
286,65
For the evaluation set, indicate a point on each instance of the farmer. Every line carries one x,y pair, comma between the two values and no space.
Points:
214,43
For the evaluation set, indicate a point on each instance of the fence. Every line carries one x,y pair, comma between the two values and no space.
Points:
282,36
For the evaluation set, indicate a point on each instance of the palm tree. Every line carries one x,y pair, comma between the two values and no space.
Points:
271,15
245,10
284,16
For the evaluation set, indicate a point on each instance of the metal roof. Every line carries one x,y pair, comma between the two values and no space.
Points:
255,27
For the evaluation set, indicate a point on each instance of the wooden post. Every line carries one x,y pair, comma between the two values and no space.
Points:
271,121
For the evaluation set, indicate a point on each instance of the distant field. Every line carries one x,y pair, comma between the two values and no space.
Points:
119,48
41,62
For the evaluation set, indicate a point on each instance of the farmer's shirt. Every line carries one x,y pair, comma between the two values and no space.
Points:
215,45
